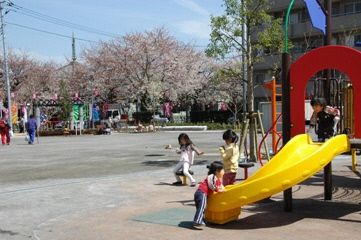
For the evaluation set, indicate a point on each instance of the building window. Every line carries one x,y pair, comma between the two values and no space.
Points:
316,43
298,47
260,77
334,41
304,17
294,18
357,40
352,7
349,8
358,7
336,9
350,40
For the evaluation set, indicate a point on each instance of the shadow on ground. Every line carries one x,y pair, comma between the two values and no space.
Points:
272,215
347,179
269,214
189,202
169,163
154,155
187,224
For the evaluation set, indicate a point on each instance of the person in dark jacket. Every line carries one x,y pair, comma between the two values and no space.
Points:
323,119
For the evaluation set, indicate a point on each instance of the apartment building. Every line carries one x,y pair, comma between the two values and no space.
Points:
346,30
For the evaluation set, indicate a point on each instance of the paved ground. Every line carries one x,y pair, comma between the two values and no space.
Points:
118,187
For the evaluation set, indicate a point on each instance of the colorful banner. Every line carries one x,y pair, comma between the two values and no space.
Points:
14,114
76,112
318,16
76,116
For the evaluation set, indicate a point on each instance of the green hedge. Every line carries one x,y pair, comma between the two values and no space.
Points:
60,132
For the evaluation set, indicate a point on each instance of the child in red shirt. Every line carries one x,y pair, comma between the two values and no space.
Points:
213,183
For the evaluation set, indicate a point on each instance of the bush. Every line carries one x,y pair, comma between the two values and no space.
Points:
57,132
60,132
210,116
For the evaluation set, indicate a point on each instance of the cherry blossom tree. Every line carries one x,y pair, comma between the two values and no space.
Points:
28,77
227,87
148,67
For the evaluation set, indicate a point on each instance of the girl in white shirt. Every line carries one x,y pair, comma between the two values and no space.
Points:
186,151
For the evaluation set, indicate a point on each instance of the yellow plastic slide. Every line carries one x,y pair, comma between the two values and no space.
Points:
297,161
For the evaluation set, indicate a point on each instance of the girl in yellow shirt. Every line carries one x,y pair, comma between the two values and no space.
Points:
230,155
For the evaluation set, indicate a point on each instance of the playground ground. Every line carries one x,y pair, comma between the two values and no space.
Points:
118,187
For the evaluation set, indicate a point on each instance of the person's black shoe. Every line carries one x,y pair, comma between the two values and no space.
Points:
178,183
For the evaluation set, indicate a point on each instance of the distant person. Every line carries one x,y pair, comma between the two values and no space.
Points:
31,128
7,133
140,127
108,127
186,151
5,112
213,183
4,131
324,119
21,125
230,156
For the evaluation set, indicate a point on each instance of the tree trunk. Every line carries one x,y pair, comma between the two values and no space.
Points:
138,104
250,105
235,112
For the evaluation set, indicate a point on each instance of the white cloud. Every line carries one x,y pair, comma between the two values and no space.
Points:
194,7
197,29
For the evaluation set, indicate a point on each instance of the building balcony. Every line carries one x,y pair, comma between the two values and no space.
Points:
340,24
268,62
343,23
282,5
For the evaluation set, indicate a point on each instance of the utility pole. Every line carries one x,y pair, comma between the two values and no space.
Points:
327,171
6,70
244,65
92,101
71,117
73,52
327,41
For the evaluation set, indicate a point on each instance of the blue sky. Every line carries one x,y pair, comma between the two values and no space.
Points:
187,20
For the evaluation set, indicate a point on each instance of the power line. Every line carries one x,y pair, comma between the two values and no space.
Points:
48,32
37,15
57,21
64,25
